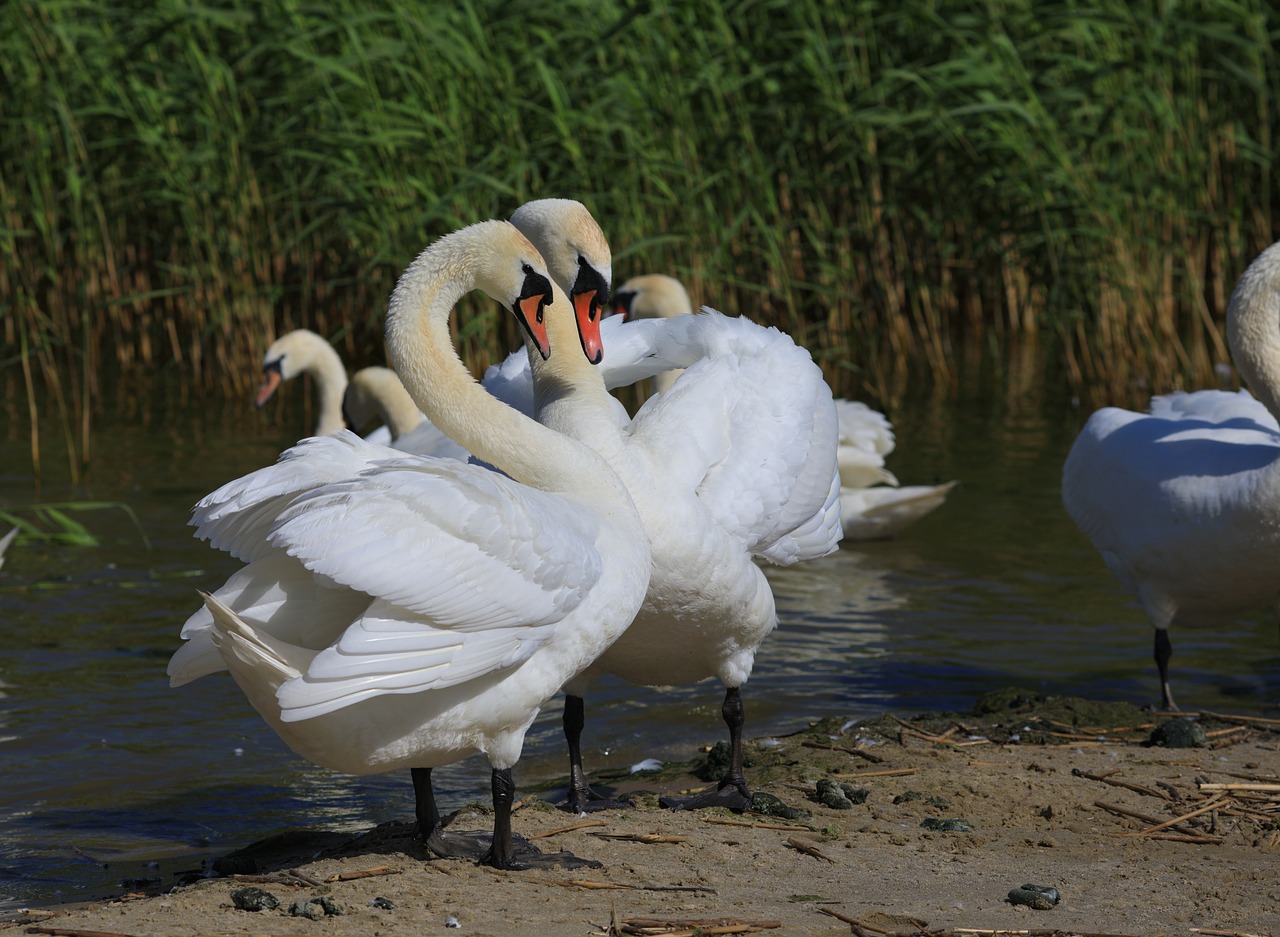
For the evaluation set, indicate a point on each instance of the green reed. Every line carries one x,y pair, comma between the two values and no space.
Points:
181,182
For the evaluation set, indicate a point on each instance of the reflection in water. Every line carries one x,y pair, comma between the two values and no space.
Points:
103,761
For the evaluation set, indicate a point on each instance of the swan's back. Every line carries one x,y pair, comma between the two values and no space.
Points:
1184,506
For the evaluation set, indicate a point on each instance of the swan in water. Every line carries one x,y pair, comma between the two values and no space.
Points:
1183,502
872,504
405,612
302,351
736,461
376,392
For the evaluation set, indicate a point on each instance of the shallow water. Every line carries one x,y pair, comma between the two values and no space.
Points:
105,768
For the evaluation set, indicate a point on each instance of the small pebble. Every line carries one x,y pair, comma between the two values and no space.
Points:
1178,733
386,904
254,899
951,825
307,909
772,806
907,796
1037,897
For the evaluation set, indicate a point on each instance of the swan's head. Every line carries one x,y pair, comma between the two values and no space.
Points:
490,256
290,355
578,257
651,296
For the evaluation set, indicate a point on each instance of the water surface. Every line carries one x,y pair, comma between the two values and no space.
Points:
105,765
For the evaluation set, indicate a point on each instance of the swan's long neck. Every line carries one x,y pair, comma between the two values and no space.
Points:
1253,328
421,352
323,364
380,389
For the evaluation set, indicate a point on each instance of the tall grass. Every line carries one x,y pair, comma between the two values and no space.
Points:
181,181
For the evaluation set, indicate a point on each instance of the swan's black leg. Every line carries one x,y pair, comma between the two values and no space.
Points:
732,790
1163,651
501,848
581,797
509,851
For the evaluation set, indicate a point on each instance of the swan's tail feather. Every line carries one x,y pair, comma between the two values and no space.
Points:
247,653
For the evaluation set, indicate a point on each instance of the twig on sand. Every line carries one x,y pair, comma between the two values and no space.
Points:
565,829
1202,838
723,821
72,932
1214,932
649,838
1116,782
690,927
885,773
363,873
809,849
590,883
861,753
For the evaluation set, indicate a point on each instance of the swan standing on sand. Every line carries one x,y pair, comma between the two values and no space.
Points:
304,352
1183,503
402,612
735,461
872,505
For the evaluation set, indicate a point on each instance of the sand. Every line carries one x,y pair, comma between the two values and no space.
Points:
1058,793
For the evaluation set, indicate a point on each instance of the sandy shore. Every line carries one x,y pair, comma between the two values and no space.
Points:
1059,793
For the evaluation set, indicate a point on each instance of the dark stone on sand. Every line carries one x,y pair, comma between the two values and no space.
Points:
254,899
1177,733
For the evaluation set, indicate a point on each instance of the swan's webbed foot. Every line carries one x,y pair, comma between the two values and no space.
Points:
524,855
586,800
463,844
477,846
730,793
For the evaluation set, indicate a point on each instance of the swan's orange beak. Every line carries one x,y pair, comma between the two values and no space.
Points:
585,309
271,379
529,310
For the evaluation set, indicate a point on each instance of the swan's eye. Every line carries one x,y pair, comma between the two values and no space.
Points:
591,283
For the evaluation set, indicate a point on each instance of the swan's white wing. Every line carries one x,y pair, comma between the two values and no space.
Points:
427,439
633,351
753,429
385,652
238,516
463,546
1213,406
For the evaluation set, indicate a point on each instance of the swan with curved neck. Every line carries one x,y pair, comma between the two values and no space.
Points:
1183,502
405,612
304,352
378,392
736,461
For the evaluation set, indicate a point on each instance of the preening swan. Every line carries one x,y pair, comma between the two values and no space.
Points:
1183,503
735,461
304,352
872,505
406,612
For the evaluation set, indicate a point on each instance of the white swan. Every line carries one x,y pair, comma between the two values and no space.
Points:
735,461
304,352
376,392
1184,503
403,612
653,296
872,504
